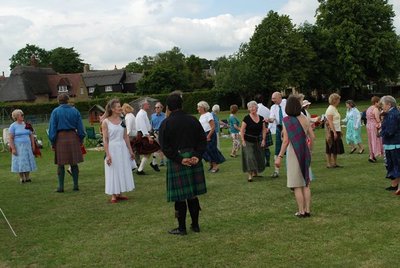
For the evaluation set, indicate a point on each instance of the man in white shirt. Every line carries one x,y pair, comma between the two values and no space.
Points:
265,113
277,113
143,125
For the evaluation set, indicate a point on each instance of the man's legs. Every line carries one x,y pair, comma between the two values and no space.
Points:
75,176
61,175
180,214
194,209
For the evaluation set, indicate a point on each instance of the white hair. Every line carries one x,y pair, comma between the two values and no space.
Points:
252,103
204,105
216,108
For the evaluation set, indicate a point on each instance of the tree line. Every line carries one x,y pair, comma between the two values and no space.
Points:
352,45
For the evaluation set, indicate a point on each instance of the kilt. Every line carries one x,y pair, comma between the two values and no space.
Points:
68,148
333,146
393,163
184,182
278,138
268,139
253,158
142,146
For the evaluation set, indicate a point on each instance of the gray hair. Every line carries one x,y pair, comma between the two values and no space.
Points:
143,102
252,103
388,100
204,105
15,114
216,108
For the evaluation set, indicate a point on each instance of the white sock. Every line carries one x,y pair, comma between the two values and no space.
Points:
143,162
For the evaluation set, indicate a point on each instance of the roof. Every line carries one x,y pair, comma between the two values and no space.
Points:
71,80
133,78
103,78
97,108
25,83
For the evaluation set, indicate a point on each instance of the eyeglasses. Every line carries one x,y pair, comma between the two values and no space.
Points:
22,114
158,107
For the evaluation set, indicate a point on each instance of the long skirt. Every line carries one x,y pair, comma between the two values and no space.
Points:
353,136
253,159
212,154
185,182
68,148
374,142
392,163
333,146
24,161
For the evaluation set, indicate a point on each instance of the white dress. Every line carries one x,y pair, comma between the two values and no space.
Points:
118,175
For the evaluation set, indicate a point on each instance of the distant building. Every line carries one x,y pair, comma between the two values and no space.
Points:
72,84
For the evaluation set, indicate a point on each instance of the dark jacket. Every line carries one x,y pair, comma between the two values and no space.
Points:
391,127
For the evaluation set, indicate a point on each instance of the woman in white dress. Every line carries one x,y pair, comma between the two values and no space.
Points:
119,154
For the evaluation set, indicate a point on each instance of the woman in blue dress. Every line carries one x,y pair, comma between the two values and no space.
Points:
22,146
353,126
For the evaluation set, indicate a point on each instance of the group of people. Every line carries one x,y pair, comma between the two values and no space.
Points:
186,141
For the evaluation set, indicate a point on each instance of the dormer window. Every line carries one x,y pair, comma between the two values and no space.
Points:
108,89
62,89
91,90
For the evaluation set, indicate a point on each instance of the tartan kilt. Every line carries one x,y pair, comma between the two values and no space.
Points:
68,148
184,182
278,143
268,139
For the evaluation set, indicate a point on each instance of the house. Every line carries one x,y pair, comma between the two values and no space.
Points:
131,81
94,113
104,81
27,83
72,84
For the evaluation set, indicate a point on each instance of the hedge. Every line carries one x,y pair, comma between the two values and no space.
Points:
189,105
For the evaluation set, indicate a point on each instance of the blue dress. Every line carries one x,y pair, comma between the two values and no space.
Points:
353,126
24,161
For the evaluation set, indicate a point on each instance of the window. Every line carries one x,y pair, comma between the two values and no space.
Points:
91,90
82,92
62,89
108,89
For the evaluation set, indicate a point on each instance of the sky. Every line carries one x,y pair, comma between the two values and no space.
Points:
114,33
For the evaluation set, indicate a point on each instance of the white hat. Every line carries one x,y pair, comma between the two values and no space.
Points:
305,103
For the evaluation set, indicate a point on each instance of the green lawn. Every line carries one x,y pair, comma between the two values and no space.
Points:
353,224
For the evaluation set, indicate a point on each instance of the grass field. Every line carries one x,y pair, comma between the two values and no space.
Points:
353,224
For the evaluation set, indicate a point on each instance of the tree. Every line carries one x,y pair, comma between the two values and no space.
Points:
142,64
23,56
161,79
278,55
235,75
361,35
66,60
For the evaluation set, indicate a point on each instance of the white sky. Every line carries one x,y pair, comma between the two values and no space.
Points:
108,33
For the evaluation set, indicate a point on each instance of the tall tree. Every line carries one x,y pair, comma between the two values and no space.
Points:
361,35
278,54
66,60
23,56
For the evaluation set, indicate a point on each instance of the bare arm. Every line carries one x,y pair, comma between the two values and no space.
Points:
212,125
242,132
106,142
128,144
331,126
285,144
12,145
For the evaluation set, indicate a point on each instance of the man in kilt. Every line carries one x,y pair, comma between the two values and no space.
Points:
66,135
183,142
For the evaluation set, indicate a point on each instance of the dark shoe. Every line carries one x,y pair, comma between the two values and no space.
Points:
391,188
353,150
275,175
361,152
60,190
307,214
76,189
155,167
140,172
176,231
337,166
195,229
122,198
371,160
299,215
69,171
268,164
374,158
28,180
21,181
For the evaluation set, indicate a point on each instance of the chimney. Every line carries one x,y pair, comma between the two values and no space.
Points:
86,68
34,61
115,67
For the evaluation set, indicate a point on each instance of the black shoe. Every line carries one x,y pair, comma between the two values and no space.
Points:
195,229
391,188
155,167
60,190
140,172
371,160
299,215
76,189
28,180
176,231
307,214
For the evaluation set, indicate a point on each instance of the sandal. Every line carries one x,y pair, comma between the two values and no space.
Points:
362,151
353,150
122,198
250,179
299,215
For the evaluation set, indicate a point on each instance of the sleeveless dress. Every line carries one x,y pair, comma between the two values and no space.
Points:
118,175
295,177
374,142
